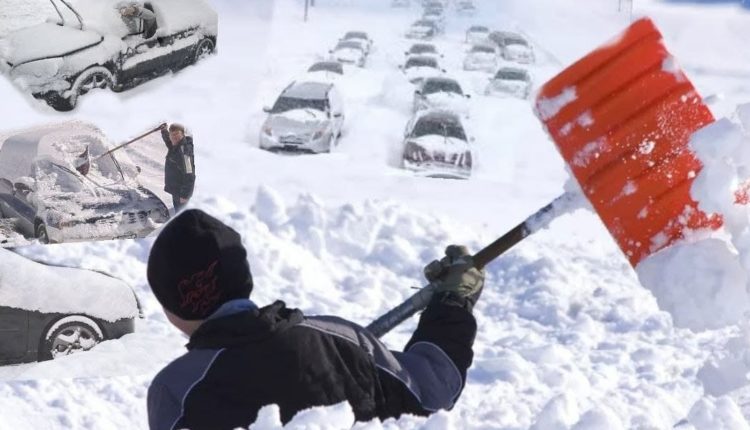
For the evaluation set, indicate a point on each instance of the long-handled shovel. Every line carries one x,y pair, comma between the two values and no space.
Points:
84,165
622,118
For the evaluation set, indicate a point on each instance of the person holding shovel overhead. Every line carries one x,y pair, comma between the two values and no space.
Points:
242,357
179,167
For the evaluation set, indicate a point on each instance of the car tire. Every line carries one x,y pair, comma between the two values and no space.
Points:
94,78
69,335
204,48
40,232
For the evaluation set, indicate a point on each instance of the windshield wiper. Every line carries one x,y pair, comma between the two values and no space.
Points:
72,9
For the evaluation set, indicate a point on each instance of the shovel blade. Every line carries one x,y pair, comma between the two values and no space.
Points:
622,118
83,163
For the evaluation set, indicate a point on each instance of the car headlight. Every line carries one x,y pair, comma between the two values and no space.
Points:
159,214
36,71
268,131
318,134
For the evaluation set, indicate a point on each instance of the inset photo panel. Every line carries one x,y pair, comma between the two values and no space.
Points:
68,182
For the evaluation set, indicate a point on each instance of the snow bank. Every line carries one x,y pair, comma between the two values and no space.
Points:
25,284
704,281
717,414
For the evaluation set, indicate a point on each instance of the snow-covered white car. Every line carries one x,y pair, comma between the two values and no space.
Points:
477,34
422,29
47,198
510,81
48,312
441,94
517,49
350,52
436,145
325,71
89,46
421,67
465,8
481,57
307,117
423,49
359,36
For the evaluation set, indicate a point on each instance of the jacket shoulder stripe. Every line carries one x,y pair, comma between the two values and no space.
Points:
187,393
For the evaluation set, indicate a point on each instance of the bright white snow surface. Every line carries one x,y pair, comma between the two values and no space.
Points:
568,338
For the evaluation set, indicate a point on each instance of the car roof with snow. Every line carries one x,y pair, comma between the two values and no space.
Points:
308,90
32,286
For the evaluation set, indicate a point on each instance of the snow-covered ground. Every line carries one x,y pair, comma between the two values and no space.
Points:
568,338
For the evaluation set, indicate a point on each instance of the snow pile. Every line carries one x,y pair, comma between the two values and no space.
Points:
32,286
703,282
716,414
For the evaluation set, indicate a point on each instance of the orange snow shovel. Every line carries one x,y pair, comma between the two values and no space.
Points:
622,118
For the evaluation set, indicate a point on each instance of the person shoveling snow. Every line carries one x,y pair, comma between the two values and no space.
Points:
241,357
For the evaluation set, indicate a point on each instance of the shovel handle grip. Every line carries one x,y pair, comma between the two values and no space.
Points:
422,298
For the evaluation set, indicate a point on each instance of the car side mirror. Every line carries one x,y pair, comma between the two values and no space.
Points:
417,92
267,109
22,188
468,96
443,70
472,139
337,115
330,51
138,169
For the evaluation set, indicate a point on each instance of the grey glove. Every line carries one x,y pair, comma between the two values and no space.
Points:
455,276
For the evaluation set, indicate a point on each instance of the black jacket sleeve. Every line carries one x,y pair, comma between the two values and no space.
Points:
188,167
165,138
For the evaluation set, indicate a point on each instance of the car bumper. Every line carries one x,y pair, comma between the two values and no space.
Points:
310,147
104,229
434,169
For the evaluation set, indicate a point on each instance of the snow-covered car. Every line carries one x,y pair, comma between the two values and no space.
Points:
465,8
48,312
477,34
423,49
441,94
436,145
481,57
307,117
91,46
400,3
420,67
325,71
350,52
499,37
517,49
359,36
510,81
422,29
46,198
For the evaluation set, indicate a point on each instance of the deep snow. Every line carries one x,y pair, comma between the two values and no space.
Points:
568,337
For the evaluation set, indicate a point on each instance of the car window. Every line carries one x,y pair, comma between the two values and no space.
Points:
516,75
421,62
285,104
422,49
430,126
327,67
441,85
349,44
482,49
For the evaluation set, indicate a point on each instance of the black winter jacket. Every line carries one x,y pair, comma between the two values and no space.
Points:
179,167
238,363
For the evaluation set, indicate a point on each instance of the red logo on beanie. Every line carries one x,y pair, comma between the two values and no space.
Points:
199,292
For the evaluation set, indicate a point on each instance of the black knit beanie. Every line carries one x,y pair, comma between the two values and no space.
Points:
197,264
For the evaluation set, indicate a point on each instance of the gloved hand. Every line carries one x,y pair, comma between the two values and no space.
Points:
455,276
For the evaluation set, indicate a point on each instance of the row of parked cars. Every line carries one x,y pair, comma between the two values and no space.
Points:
308,115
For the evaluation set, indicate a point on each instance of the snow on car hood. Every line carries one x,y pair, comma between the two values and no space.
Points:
25,284
348,54
518,49
45,40
296,121
436,143
448,101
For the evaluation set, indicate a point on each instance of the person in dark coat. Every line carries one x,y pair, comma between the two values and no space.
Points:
134,15
241,357
179,166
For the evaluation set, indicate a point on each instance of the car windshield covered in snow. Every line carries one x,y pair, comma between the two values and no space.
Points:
445,126
512,75
327,66
349,44
285,104
355,35
516,41
441,86
424,23
421,62
51,176
482,49
423,48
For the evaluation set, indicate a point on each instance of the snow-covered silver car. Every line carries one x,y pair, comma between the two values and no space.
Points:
423,49
90,45
436,145
422,29
518,49
350,52
60,310
307,117
360,36
477,34
420,67
439,93
481,57
48,199
510,81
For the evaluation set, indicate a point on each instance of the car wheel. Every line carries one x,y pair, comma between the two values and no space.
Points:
69,335
41,233
205,48
91,79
